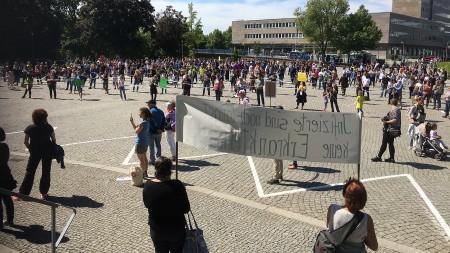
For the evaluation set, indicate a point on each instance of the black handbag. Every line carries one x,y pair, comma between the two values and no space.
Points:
329,242
394,132
194,242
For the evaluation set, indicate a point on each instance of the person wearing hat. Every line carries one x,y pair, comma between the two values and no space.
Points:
155,131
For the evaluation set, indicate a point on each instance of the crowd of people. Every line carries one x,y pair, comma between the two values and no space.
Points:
399,84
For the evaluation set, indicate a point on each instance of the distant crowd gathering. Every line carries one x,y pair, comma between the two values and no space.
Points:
415,85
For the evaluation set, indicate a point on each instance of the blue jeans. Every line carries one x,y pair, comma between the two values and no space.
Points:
154,140
447,107
426,99
437,99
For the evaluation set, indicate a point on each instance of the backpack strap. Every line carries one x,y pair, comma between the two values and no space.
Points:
341,234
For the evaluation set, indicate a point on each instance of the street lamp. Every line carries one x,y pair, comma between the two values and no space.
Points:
403,51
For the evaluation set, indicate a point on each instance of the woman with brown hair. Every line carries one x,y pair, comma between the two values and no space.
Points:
39,137
355,197
167,202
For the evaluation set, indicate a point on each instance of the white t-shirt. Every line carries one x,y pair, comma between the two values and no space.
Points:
433,135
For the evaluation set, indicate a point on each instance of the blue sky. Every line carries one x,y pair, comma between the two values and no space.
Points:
220,13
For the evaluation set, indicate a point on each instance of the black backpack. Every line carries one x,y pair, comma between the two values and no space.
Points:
329,242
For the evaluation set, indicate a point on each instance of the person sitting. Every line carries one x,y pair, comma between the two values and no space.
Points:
355,198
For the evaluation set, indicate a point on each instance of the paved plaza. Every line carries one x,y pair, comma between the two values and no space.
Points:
238,211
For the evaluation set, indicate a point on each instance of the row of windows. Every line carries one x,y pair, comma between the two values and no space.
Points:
274,36
270,25
423,25
415,36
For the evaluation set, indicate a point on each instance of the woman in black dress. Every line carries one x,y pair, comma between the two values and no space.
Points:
6,182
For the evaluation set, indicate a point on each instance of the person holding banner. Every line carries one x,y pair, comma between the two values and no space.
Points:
301,95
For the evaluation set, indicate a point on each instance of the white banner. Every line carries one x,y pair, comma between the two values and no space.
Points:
269,133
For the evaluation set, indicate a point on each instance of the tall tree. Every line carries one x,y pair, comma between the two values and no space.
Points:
227,37
320,19
169,31
215,40
110,27
194,37
357,32
31,29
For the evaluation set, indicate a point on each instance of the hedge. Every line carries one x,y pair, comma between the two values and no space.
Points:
445,65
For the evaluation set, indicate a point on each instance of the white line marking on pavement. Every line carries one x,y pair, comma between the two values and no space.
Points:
111,139
422,194
128,158
19,132
430,205
255,176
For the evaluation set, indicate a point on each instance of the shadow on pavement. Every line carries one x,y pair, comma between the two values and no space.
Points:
35,234
311,186
318,169
423,166
190,165
76,201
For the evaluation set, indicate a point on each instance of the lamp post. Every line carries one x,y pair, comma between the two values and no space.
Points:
403,51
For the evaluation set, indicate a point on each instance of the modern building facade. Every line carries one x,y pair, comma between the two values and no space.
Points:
406,36
276,36
435,10
402,36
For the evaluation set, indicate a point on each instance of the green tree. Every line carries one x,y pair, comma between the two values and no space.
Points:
109,27
31,29
256,48
227,38
169,31
215,40
194,37
357,32
320,19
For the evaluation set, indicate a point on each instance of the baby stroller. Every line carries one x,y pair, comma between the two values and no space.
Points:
427,147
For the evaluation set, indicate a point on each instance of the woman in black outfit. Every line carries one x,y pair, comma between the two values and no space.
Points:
167,202
6,182
39,137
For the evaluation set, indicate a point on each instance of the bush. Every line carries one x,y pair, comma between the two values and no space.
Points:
445,65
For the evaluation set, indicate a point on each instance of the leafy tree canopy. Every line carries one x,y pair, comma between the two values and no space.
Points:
320,19
357,32
169,31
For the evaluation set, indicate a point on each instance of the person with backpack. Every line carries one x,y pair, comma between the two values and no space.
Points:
155,131
357,238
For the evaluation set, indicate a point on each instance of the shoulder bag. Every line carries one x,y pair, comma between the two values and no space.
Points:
329,242
194,242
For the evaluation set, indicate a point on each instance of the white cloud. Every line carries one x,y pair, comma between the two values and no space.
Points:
220,14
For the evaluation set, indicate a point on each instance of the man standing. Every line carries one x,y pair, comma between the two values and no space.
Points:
155,131
260,89
447,103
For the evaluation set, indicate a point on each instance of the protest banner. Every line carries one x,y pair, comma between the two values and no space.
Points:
269,133
163,83
270,89
301,77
